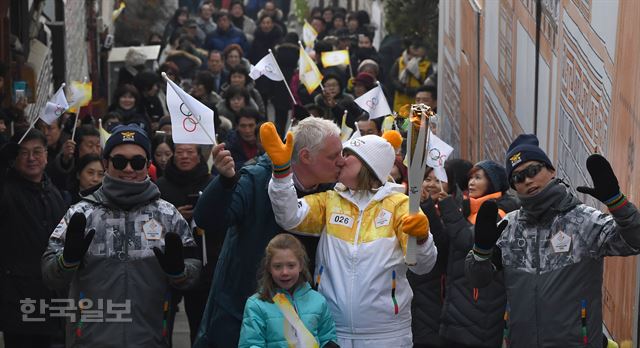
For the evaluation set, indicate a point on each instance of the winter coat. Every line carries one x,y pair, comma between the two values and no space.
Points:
234,144
241,211
219,39
29,212
121,268
469,316
224,110
135,115
263,323
555,296
263,42
361,247
175,185
429,289
248,27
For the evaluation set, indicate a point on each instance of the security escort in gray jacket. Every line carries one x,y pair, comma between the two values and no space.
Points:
553,249
121,249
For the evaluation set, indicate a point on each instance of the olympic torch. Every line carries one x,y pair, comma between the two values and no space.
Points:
417,140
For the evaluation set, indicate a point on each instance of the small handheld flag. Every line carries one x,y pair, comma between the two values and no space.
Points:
332,58
191,121
55,107
310,75
268,67
374,102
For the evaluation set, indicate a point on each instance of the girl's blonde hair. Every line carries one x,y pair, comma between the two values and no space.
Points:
367,179
283,241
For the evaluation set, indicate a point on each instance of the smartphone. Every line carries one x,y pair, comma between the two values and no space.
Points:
19,90
192,199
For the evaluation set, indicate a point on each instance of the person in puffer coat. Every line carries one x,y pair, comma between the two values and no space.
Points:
429,289
121,250
472,317
552,249
286,312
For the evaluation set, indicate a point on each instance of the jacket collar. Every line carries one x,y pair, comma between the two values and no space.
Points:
385,190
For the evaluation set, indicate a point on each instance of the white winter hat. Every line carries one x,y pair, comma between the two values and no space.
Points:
376,152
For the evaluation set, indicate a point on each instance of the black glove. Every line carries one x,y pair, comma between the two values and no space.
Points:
486,232
605,184
8,153
76,243
428,206
172,260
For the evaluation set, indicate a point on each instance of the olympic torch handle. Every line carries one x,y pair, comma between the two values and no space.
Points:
416,152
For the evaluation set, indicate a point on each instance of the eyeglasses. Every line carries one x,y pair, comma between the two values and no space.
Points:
120,162
37,152
529,172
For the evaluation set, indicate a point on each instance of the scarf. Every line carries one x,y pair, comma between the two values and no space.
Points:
185,178
551,200
412,66
126,194
295,332
475,203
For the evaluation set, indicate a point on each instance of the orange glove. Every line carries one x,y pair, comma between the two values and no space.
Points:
416,225
279,152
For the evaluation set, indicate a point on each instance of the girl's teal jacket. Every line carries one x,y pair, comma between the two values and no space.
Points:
263,323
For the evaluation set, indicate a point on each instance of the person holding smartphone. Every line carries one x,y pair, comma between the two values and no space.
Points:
185,175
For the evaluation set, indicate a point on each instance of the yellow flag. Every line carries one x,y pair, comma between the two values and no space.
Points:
118,11
332,58
308,34
80,95
345,131
310,76
104,135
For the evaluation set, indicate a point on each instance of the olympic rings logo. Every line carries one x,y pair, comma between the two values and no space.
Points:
189,122
437,157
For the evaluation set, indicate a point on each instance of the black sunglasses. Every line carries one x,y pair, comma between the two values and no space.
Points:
120,162
528,172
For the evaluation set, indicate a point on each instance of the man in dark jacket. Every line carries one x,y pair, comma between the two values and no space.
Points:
185,176
30,208
238,204
553,249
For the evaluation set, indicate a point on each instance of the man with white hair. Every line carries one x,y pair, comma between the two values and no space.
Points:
238,205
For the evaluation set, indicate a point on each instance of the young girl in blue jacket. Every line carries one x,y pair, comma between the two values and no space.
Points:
286,312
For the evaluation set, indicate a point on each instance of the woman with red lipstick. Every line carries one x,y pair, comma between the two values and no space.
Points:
473,318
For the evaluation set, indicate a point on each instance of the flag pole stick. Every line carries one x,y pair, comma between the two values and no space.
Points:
75,124
284,80
28,130
349,65
206,132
